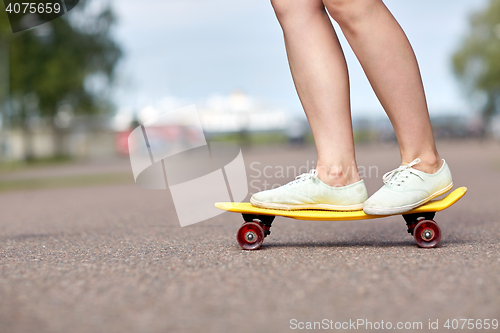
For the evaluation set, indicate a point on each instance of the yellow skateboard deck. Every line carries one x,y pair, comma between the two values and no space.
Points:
325,215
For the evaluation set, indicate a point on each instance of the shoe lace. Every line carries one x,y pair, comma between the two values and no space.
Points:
400,174
313,173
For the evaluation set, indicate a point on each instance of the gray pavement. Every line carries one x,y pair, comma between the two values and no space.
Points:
114,258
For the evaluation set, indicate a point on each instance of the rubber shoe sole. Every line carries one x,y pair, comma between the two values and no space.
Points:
407,208
305,206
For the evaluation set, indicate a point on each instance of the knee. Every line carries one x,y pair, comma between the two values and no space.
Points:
293,10
348,12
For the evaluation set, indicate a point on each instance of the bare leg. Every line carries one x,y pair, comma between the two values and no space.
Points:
391,67
320,75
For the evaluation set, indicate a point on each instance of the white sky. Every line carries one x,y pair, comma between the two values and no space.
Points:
194,49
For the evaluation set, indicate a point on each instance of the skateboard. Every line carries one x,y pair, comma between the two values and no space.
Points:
419,221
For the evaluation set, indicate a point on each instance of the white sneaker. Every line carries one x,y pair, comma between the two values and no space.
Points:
307,191
406,188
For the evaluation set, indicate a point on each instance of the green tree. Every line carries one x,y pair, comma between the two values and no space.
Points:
50,65
477,62
5,33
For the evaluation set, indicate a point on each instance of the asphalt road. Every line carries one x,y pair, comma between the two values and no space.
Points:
114,259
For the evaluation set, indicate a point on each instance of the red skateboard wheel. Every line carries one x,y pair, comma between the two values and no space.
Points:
250,236
427,234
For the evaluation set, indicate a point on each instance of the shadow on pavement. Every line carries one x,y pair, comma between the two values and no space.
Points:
379,244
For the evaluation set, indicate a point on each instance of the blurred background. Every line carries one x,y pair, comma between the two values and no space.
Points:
71,89
82,249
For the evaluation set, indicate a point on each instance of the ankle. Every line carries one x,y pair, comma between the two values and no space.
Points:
337,176
429,163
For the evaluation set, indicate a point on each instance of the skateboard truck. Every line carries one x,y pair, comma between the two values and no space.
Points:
413,219
265,221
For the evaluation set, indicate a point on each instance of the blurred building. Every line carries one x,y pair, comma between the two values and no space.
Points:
238,112
83,137
494,127
106,136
